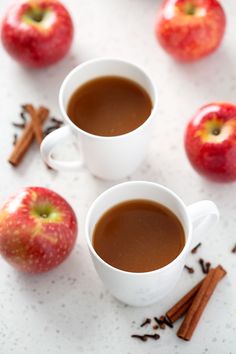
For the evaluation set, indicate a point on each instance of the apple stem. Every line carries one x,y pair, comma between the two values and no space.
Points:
216,131
36,14
190,9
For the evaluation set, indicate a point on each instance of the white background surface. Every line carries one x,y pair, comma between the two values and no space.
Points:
68,310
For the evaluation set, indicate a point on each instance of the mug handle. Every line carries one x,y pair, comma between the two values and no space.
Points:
204,215
48,144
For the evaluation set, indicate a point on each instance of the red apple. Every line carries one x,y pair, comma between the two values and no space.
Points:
210,141
190,29
37,33
38,230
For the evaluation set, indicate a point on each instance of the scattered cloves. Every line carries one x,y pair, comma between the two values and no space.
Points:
57,124
160,322
50,129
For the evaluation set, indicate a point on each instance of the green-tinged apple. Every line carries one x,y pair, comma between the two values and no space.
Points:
37,33
190,29
210,141
38,229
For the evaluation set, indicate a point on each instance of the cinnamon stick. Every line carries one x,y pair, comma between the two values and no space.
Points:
26,139
36,122
200,301
180,308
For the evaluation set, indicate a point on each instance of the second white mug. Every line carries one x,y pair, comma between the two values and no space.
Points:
106,157
140,289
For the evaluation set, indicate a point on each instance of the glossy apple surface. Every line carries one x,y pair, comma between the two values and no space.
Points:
210,141
190,29
37,33
38,229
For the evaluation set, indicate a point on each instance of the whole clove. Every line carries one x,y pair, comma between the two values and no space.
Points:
145,322
53,127
234,249
50,129
168,322
205,266
194,250
23,117
55,120
154,336
189,269
145,337
19,125
15,137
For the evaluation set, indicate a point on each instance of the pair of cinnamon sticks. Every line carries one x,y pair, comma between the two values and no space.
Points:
31,130
194,302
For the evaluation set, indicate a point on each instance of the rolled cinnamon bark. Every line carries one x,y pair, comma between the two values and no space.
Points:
199,302
26,138
37,126
180,308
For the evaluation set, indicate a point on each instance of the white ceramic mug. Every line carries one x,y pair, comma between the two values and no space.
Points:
106,157
140,289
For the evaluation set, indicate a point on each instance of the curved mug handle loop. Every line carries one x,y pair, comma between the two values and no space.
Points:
204,215
48,144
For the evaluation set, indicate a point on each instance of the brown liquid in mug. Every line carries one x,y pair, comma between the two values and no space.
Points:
109,106
138,236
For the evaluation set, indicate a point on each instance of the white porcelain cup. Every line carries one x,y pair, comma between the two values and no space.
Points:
106,157
140,289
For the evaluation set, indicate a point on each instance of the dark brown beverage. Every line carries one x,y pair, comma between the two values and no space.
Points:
109,106
138,236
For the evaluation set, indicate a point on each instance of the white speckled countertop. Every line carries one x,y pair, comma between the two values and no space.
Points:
68,310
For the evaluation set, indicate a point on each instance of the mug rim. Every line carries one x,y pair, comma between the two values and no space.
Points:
151,184
105,59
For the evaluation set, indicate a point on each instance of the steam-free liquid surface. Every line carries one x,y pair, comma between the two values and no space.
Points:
138,236
109,106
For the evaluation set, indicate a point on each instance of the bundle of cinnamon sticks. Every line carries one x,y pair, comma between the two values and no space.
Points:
31,129
194,302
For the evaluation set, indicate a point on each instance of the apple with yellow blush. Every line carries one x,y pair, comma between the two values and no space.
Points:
210,141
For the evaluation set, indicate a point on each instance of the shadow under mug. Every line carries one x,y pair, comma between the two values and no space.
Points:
140,289
106,157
